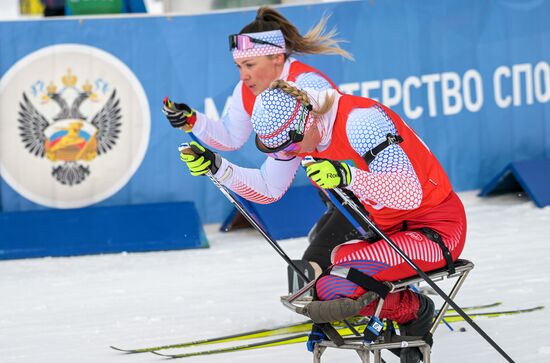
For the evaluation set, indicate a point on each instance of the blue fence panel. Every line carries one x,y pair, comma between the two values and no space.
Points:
472,78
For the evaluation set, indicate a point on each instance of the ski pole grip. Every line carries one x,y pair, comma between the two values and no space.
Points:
185,148
168,102
308,160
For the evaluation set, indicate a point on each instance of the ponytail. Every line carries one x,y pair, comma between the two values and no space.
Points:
316,41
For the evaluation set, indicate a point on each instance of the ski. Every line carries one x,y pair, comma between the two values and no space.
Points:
301,338
493,314
254,334
479,307
301,327
297,338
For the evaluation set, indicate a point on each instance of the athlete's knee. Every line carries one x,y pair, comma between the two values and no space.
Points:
319,255
345,251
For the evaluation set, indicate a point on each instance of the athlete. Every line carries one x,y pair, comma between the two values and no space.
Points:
262,52
365,148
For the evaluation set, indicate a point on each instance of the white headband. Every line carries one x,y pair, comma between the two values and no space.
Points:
275,37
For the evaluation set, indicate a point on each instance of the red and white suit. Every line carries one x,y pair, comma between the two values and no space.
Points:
234,128
404,183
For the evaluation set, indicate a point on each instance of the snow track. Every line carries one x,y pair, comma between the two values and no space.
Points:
72,309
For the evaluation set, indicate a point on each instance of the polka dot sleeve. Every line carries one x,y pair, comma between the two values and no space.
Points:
312,80
391,181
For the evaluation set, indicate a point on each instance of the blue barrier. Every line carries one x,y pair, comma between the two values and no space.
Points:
292,216
136,228
475,87
472,78
530,176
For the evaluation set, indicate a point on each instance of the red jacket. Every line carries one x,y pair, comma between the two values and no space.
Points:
433,179
296,68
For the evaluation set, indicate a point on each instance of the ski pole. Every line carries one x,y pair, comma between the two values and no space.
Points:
348,215
235,200
332,193
327,328
415,289
361,230
184,147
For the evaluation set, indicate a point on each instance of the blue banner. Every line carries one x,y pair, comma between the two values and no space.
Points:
471,77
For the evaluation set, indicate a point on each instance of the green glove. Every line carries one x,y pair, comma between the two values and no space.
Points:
329,174
200,160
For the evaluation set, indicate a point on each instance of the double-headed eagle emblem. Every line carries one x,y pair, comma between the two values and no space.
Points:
70,140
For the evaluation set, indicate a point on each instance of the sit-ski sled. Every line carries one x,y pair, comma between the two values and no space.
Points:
386,339
345,206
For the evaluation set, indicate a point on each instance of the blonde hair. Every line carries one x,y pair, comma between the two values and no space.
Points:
303,97
316,41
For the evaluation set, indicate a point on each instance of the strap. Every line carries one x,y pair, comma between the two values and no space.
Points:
359,278
435,237
390,140
331,333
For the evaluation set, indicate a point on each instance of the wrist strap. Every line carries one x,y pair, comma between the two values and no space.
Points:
343,172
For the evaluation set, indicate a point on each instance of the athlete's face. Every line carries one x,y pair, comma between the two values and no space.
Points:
312,138
257,73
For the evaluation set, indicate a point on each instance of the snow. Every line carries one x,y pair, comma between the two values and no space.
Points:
72,309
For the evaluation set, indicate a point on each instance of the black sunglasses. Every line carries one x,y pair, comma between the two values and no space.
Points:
244,42
294,137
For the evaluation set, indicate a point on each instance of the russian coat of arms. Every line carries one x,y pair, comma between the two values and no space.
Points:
68,137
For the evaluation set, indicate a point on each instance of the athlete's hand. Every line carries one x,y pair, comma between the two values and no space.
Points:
179,114
200,160
329,174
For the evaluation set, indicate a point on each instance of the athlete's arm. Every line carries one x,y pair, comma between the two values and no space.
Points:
391,180
265,185
312,80
231,131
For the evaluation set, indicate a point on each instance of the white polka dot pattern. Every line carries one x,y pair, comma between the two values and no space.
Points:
272,117
274,36
392,181
312,80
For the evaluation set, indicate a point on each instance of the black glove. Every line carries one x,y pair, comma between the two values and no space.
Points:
179,114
